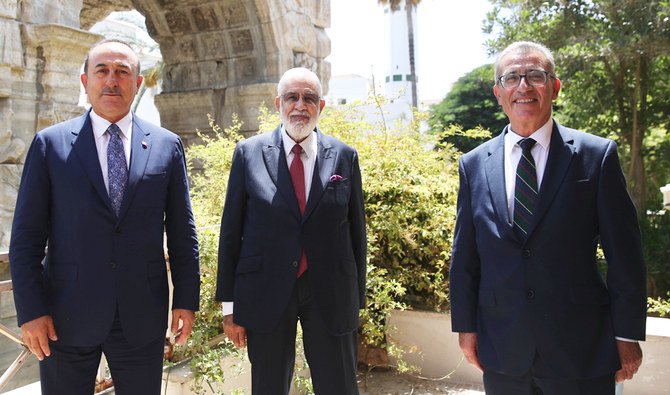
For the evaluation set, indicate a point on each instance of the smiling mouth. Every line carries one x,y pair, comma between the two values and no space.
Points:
525,101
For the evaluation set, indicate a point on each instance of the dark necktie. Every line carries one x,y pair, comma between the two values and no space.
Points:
525,189
297,171
117,171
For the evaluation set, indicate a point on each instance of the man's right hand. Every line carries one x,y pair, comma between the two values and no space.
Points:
36,335
468,343
236,333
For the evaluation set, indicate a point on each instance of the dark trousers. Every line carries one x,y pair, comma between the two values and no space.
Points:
135,370
331,359
538,382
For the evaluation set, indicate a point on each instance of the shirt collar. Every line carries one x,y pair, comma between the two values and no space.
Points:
542,136
100,124
308,144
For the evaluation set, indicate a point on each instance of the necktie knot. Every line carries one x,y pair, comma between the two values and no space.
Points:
297,151
526,144
114,130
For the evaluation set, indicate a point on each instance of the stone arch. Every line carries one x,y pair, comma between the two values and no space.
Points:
226,56
221,57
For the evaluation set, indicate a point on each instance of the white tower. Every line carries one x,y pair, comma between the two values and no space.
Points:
398,86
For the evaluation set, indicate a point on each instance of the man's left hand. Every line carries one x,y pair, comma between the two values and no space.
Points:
630,355
187,317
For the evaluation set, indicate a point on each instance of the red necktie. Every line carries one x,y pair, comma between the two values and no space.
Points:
297,171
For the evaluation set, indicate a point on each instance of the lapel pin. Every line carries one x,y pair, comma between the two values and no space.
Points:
145,145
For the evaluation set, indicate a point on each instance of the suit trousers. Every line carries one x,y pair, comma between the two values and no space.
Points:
136,370
538,382
331,359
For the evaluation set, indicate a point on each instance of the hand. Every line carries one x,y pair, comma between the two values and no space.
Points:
630,355
36,335
236,333
187,317
468,343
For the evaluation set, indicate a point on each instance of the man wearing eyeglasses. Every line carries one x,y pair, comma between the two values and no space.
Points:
531,307
293,247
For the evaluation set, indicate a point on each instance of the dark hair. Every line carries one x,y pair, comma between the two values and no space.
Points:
110,40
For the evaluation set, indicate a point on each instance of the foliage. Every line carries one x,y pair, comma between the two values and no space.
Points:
656,248
659,306
614,60
206,346
471,104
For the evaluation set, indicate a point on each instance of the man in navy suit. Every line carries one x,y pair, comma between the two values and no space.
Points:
293,247
99,191
527,298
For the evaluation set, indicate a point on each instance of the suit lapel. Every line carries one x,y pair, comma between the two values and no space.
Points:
140,148
495,176
561,153
83,144
323,169
277,167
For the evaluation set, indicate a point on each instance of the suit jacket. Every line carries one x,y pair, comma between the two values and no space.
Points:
263,233
97,263
546,295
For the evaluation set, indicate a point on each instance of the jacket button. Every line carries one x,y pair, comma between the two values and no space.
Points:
294,263
526,253
530,294
113,264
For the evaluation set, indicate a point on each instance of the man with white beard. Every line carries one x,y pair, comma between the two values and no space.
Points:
293,247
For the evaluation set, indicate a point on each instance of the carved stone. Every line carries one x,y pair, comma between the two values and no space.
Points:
220,57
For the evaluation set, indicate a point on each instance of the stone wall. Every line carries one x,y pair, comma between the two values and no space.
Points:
221,57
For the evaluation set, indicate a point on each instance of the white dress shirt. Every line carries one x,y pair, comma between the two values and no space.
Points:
100,126
309,147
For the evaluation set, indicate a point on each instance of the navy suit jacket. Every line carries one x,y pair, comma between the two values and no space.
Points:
263,233
98,263
546,295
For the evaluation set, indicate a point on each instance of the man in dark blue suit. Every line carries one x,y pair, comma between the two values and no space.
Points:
527,298
99,191
293,247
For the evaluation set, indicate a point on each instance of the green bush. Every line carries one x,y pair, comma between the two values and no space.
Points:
656,248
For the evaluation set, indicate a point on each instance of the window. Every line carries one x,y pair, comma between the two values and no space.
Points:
397,77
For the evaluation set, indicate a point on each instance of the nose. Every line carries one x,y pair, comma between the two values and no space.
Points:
111,80
301,102
523,84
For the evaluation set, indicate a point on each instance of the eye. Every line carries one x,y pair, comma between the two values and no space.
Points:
291,98
100,72
511,78
536,77
311,99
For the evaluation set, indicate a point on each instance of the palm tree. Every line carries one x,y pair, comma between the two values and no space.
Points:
409,6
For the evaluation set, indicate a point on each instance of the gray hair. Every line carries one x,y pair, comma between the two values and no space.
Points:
526,48
298,73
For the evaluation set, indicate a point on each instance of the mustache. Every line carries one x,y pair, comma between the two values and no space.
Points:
114,91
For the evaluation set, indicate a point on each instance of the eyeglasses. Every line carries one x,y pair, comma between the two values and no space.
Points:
311,99
533,78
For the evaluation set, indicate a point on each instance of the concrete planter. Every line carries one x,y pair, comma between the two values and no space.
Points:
178,379
433,348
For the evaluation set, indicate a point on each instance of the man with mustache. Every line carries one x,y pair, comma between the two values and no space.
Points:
99,191
527,297
293,247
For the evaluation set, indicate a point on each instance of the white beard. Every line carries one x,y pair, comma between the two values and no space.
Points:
298,130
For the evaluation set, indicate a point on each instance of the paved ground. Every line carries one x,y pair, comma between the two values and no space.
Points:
392,383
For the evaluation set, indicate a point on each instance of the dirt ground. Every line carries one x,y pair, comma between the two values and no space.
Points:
389,382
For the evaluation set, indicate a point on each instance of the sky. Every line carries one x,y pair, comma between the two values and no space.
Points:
449,42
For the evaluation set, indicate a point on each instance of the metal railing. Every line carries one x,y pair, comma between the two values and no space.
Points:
11,371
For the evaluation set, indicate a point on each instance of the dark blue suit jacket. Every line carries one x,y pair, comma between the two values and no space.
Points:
97,263
546,295
262,234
